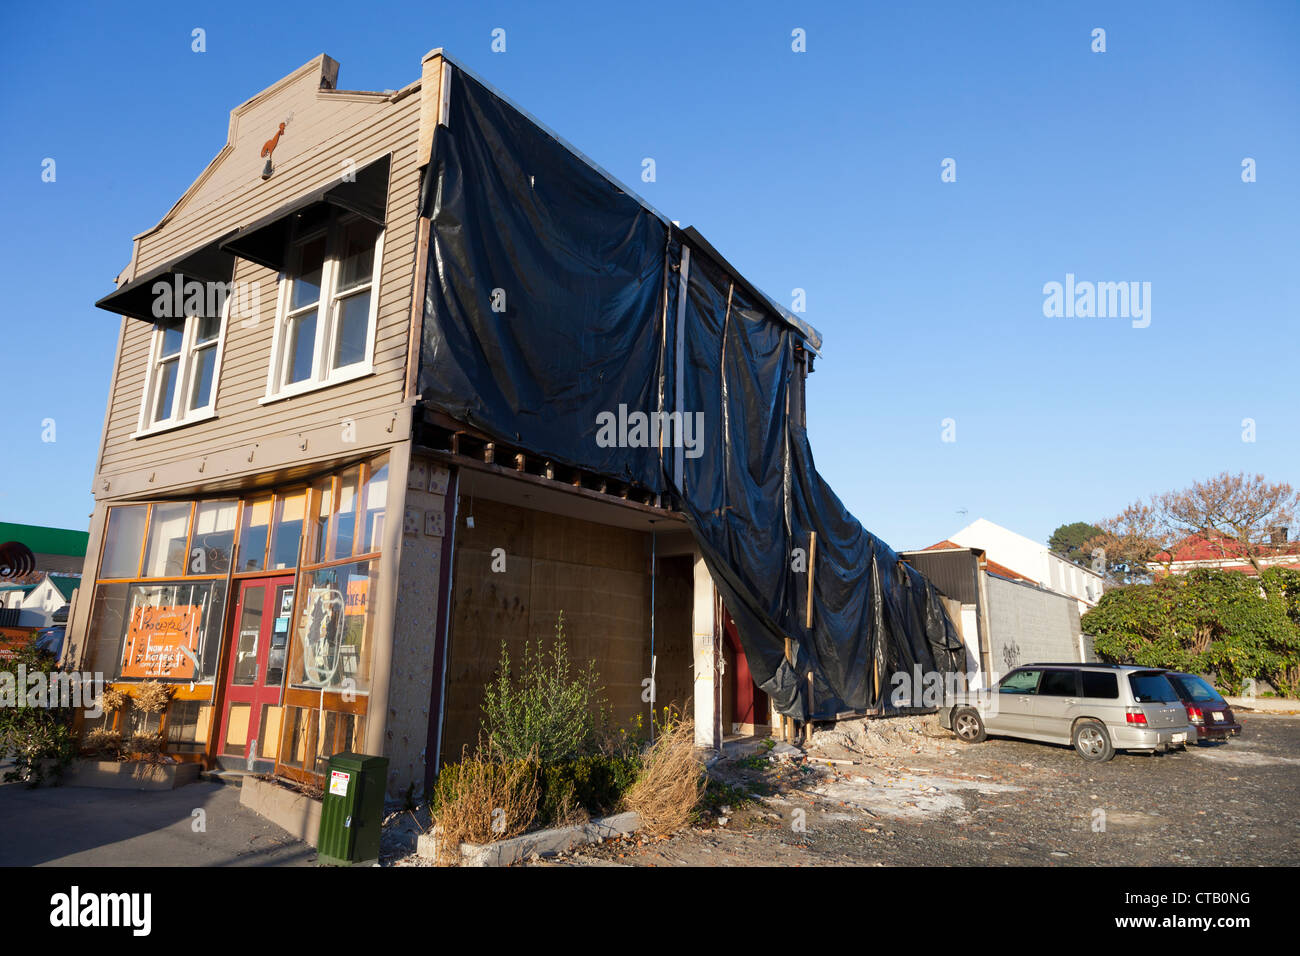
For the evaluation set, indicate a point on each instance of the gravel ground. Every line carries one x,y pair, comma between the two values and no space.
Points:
918,797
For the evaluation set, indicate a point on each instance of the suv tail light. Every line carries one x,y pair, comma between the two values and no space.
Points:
1194,714
1134,715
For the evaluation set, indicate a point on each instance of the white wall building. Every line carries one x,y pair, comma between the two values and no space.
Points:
1033,560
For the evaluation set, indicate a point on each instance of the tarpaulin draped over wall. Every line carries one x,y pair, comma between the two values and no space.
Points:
551,321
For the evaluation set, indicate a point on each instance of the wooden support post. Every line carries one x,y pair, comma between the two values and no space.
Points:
550,471
787,723
807,727
489,453
519,462
812,567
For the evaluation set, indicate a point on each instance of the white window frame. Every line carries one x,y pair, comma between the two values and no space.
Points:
181,413
322,376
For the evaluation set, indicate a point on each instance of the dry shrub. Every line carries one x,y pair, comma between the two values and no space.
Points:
671,781
479,800
113,700
101,741
151,696
146,747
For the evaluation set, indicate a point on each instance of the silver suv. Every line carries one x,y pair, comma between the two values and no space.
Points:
1097,708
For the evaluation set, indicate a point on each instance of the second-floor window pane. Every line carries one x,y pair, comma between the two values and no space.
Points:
301,347
166,397
353,320
307,278
182,381
203,364
328,313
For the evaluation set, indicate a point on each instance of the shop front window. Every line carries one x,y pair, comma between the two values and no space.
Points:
213,540
332,646
345,515
172,630
187,724
290,511
166,546
122,542
253,535
376,498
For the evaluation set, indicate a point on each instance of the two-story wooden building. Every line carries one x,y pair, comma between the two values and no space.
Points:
402,377
314,560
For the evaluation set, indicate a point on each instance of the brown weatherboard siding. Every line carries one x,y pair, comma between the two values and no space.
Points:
247,350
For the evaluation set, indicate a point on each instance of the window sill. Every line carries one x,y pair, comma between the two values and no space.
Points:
306,388
194,419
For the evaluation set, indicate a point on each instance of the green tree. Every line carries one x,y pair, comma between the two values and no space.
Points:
1205,621
1069,540
38,738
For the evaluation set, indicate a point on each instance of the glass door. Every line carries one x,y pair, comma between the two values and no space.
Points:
259,642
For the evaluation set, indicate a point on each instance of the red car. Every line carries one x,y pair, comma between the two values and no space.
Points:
1208,712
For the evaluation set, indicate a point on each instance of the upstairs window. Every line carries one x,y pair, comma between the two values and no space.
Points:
181,383
326,330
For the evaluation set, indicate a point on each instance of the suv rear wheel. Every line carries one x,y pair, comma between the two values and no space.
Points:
968,725
1092,742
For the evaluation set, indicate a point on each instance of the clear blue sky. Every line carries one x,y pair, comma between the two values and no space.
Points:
818,170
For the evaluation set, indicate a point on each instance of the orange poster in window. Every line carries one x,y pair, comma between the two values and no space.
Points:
358,594
161,642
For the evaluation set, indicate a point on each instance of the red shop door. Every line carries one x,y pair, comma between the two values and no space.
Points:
259,644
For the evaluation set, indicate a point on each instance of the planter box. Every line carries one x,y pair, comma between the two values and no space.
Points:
287,809
129,774
541,842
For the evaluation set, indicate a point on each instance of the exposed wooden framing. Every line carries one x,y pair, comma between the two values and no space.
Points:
467,445
472,464
812,567
787,724
416,339
808,727
679,349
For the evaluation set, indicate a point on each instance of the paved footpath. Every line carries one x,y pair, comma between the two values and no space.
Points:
87,826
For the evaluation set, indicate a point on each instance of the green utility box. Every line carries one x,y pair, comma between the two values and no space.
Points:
352,810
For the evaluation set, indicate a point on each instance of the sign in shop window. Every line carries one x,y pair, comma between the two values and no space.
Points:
172,630
333,629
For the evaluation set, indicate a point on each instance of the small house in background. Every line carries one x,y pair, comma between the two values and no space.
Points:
1223,553
1031,561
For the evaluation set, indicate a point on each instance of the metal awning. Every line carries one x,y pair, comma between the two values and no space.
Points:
266,241
137,298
